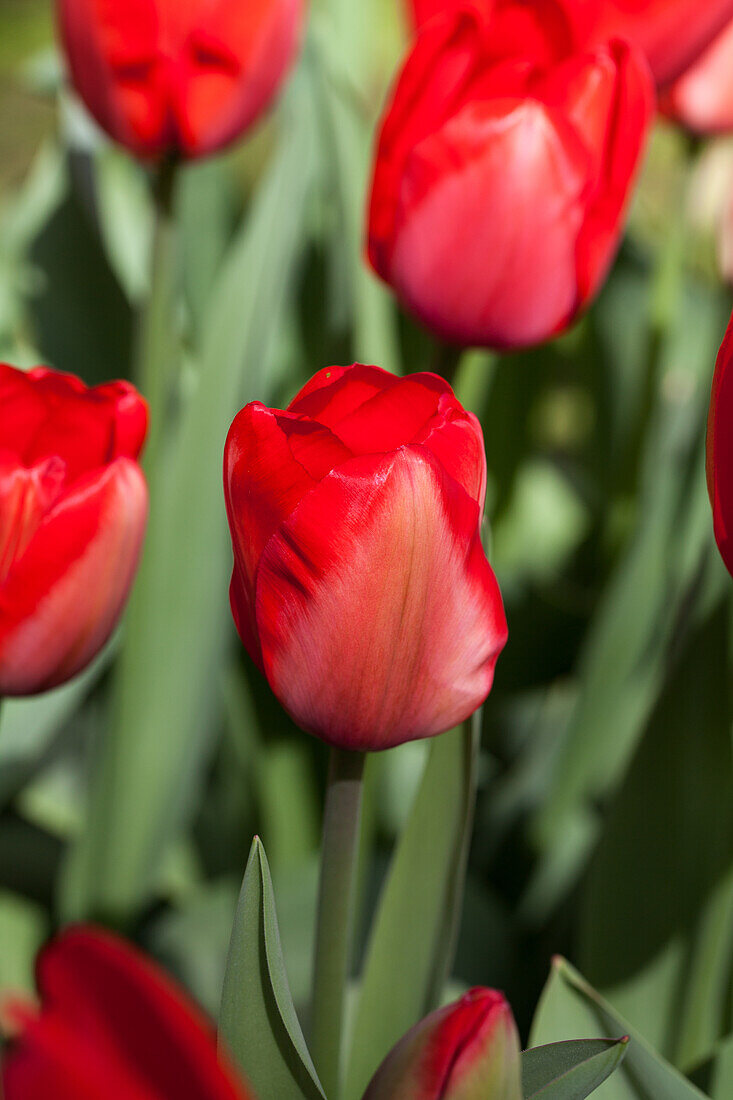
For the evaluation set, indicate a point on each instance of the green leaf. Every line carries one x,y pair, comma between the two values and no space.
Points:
570,1070
656,919
414,926
258,1024
570,1006
152,757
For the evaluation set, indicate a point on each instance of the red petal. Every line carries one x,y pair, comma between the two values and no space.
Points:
702,99
720,449
457,442
63,596
336,392
271,460
394,416
104,1002
379,617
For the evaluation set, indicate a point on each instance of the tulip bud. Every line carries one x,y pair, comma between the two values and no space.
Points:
702,99
73,509
166,78
720,449
110,1026
467,1051
503,169
360,586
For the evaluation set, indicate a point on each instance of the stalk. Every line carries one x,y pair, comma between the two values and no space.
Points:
336,911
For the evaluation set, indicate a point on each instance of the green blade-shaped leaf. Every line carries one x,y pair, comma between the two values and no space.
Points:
414,925
570,1070
258,1024
569,1006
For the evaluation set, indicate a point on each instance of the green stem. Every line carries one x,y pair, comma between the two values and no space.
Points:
336,907
157,350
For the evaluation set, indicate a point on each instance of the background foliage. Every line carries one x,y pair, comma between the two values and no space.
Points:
604,827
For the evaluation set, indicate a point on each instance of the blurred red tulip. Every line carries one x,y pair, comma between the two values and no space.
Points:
502,176
702,99
720,449
672,33
360,585
468,1050
165,77
520,25
111,1026
73,508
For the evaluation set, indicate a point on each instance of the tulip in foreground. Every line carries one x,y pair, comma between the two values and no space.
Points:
73,509
503,169
360,585
467,1051
111,1026
720,449
166,78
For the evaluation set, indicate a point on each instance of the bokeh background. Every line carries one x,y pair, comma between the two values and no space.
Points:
604,825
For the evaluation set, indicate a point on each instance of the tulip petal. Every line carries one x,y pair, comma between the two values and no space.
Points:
702,99
490,212
111,1018
720,450
379,617
63,596
457,442
335,392
394,416
271,460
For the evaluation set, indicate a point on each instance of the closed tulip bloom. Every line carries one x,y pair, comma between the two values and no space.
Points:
166,77
503,169
73,509
672,33
702,99
467,1051
360,585
110,1026
720,449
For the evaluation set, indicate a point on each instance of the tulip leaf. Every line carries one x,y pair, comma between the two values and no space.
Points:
258,1024
570,1006
414,928
570,1070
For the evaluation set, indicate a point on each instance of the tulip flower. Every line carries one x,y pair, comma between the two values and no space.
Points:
166,78
73,508
503,169
702,99
673,33
720,449
467,1051
360,586
111,1026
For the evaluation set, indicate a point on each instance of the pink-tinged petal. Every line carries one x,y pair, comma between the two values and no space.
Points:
702,99
271,460
490,212
379,618
672,33
720,449
114,1027
64,594
468,1050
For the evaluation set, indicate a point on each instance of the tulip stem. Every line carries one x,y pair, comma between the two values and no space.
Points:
157,351
336,909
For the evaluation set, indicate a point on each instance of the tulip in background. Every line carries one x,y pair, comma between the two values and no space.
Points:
73,509
360,585
166,78
466,1051
111,1026
720,449
702,98
503,169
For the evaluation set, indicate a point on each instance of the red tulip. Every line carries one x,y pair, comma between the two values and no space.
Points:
502,176
720,449
672,33
73,507
467,1051
702,99
111,1026
522,25
360,585
165,77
